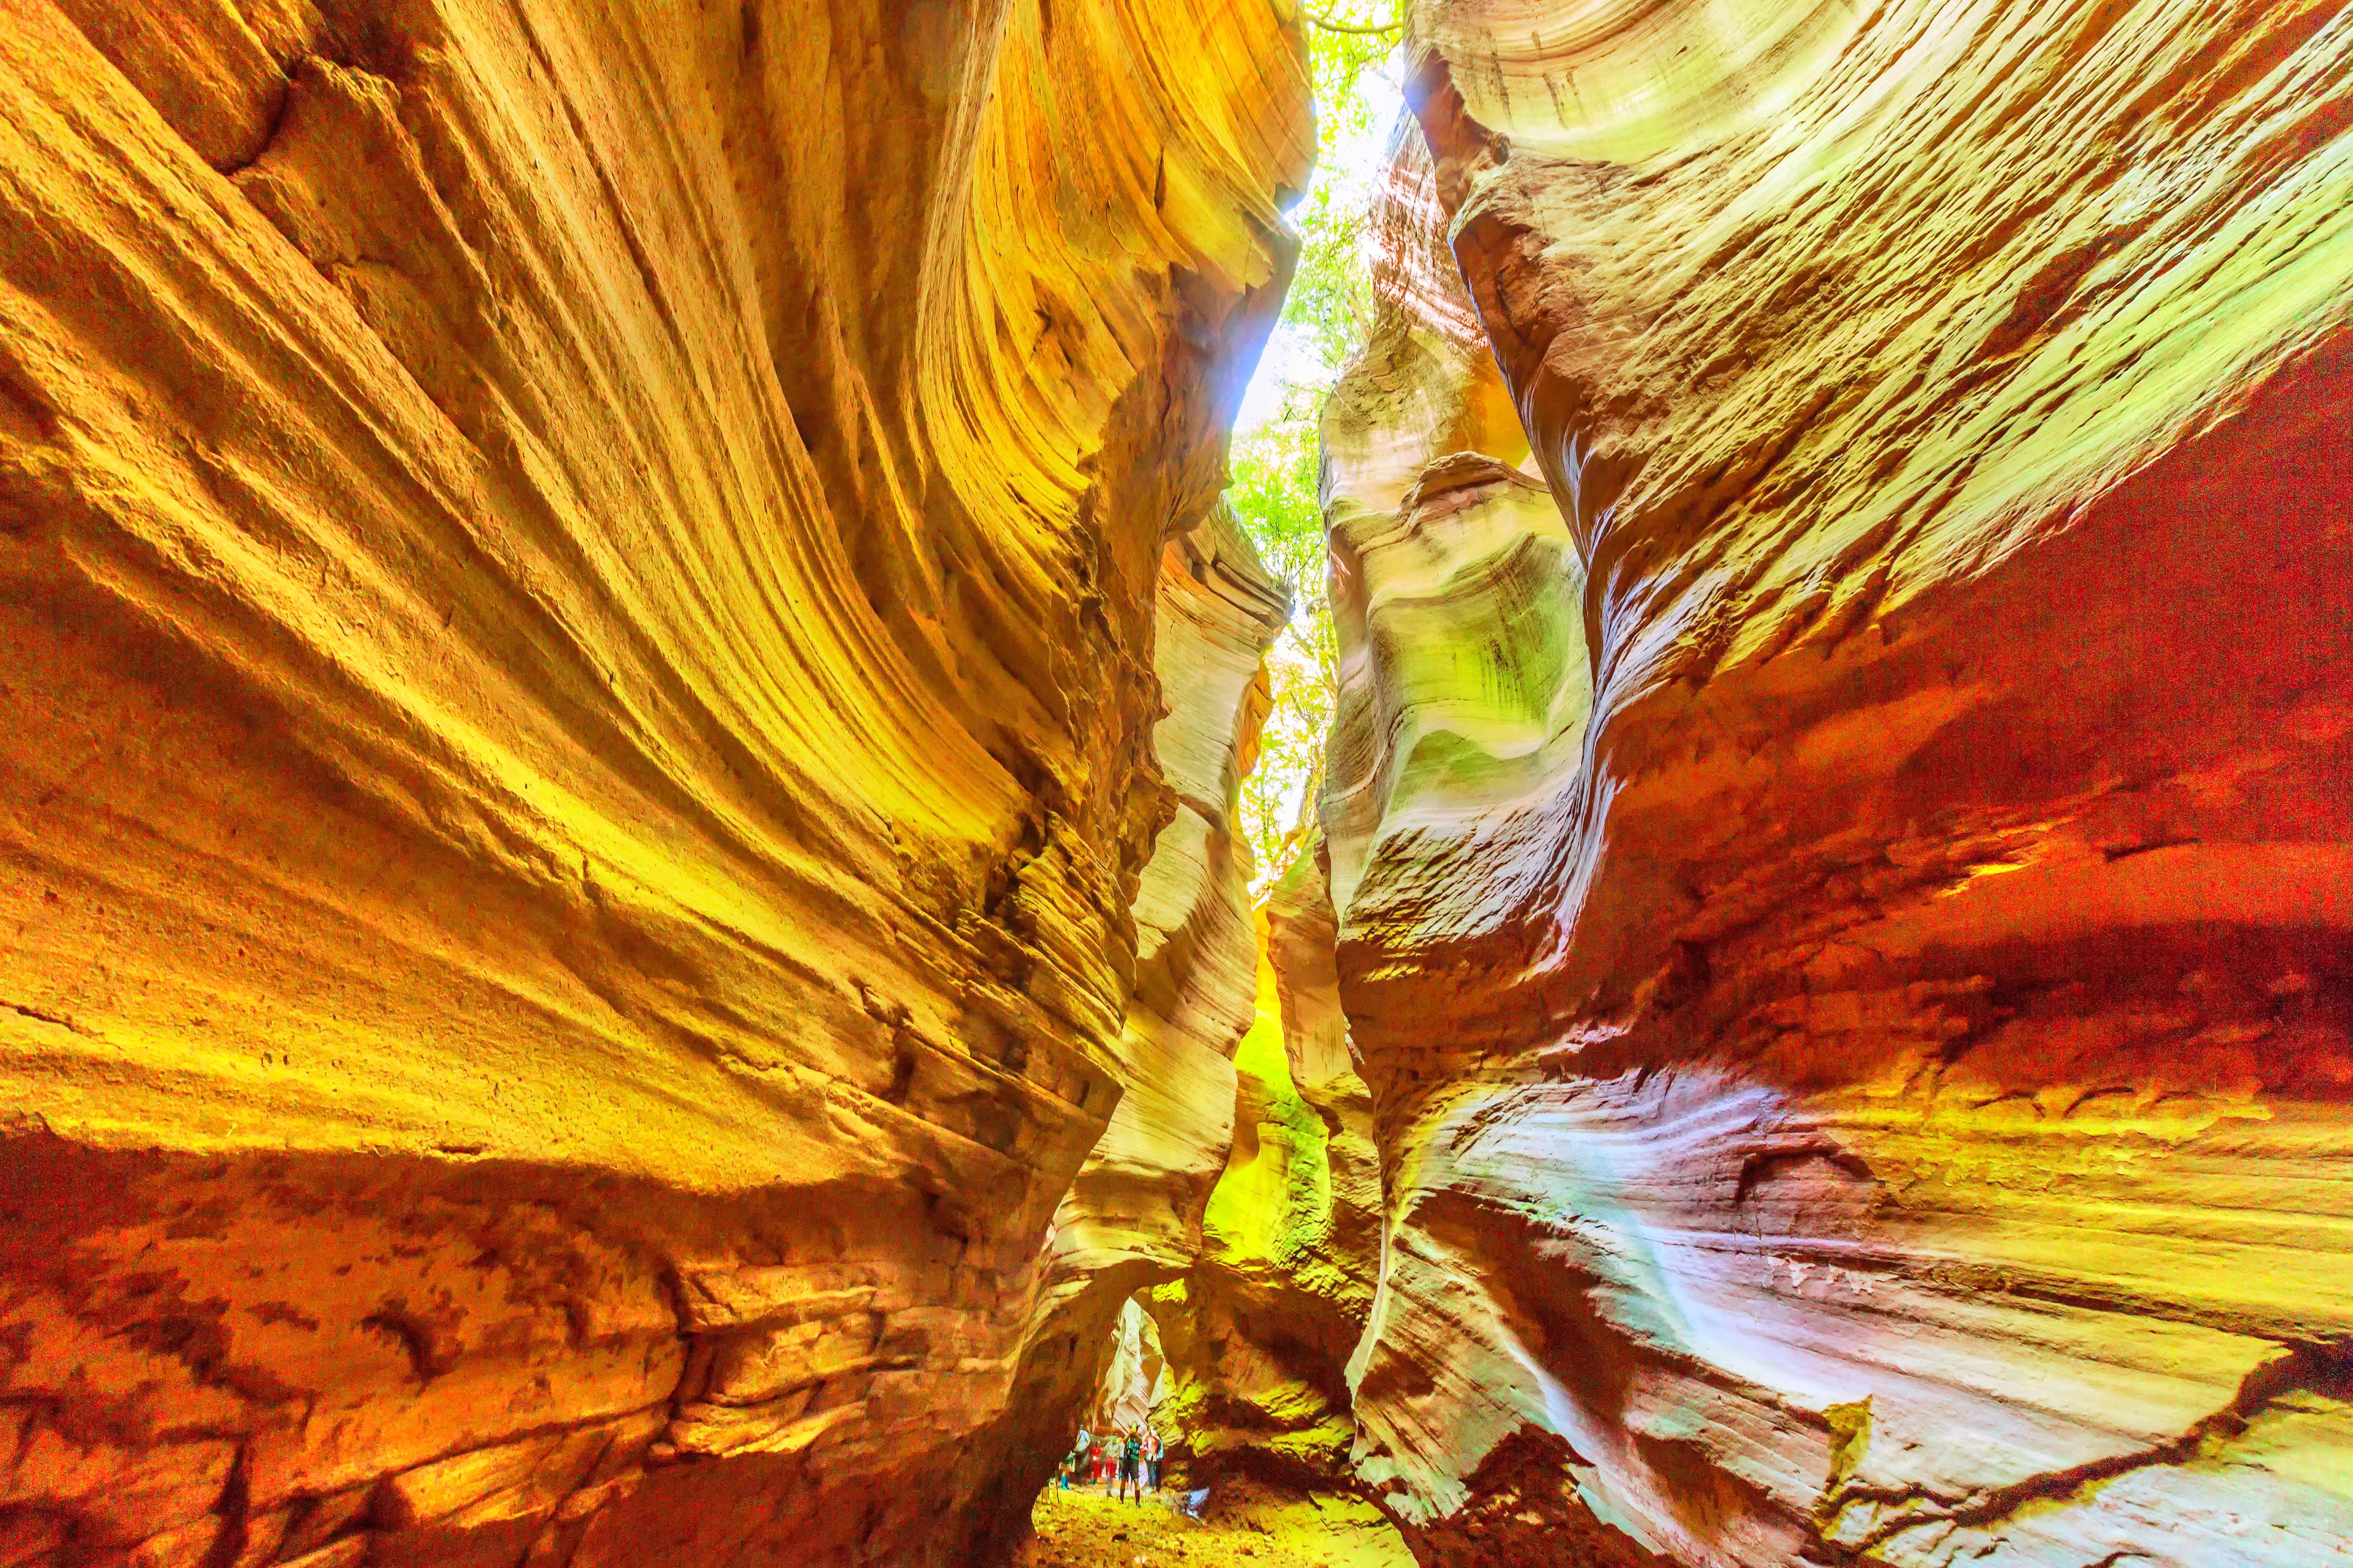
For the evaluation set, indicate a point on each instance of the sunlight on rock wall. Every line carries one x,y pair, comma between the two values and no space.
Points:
1841,899
578,584
1259,1331
624,689
1131,1217
1135,1380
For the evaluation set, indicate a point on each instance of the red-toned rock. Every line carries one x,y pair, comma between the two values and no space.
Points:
622,691
1843,903
580,746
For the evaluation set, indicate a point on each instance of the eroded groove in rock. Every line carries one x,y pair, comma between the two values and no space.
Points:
1259,1331
1841,899
623,939
1132,1218
578,585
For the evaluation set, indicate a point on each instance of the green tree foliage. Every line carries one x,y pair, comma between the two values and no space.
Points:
1273,467
1273,493
1329,298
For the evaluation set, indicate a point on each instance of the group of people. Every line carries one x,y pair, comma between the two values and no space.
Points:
1123,1462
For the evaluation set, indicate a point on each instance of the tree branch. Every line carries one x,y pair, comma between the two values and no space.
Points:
1329,26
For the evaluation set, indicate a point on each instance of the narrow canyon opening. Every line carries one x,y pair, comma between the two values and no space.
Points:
1555,782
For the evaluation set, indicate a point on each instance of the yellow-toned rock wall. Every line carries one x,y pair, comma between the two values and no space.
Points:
1259,1329
1842,900
622,940
578,588
1132,1219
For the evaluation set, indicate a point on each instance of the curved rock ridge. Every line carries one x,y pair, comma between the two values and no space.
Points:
1135,1381
1132,1219
623,939
1259,1331
1842,903
1437,535
579,792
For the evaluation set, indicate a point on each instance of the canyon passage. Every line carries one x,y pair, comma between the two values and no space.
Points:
691,859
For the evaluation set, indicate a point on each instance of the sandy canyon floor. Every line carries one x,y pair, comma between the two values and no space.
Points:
1243,1523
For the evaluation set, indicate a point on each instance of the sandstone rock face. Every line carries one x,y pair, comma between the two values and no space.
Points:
1843,889
1135,1381
578,792
1259,1329
1133,1218
622,691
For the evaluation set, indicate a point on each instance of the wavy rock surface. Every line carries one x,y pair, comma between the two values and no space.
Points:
578,582
1259,1329
1133,1218
1134,1380
1842,900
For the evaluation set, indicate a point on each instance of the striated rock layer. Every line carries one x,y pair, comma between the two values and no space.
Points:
578,724
1838,820
1133,1218
1259,1329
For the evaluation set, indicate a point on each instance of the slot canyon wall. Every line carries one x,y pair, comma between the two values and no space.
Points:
622,690
1259,1331
1839,820
618,689
1133,1218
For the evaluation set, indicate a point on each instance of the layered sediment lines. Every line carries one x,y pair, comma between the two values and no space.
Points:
1132,1218
578,792
1259,1330
621,695
1839,841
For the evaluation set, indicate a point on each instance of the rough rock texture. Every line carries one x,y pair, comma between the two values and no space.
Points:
621,696
1135,1380
577,730
1133,1218
1464,671
1843,904
1259,1331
